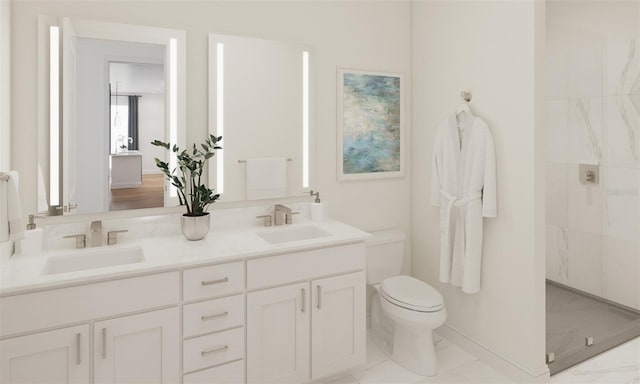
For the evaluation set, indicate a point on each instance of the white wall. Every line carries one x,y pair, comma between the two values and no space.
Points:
363,35
151,127
5,85
593,115
5,104
489,48
122,129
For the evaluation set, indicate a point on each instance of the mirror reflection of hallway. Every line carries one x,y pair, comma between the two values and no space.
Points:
136,118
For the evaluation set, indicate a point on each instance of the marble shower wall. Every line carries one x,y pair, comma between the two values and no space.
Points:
593,117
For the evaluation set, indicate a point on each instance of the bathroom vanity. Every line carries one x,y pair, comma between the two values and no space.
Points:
283,304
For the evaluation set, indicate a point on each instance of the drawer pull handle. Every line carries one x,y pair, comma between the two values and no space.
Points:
215,350
104,343
216,316
213,282
319,296
78,354
304,299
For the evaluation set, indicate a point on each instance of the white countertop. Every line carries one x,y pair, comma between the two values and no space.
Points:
21,274
127,153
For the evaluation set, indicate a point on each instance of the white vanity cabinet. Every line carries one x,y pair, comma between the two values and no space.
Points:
213,347
308,330
295,316
138,348
338,324
278,325
131,348
60,356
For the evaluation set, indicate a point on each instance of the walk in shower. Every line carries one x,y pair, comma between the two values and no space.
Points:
593,178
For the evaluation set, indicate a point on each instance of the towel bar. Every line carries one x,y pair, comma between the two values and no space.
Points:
244,161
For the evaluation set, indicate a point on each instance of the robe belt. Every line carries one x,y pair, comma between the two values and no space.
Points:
454,201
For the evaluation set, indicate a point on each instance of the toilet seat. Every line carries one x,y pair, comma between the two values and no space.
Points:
410,293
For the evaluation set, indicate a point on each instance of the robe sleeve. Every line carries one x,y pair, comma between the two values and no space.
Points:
489,198
436,164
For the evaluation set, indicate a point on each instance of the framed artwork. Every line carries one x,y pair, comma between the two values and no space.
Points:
370,125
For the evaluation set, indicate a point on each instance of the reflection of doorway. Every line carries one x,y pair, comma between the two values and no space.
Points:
88,163
137,117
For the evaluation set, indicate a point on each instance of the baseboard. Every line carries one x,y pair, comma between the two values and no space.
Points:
151,172
126,185
497,361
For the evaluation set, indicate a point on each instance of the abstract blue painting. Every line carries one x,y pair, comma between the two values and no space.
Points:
371,122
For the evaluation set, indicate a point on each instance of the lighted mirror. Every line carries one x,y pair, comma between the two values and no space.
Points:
261,103
111,90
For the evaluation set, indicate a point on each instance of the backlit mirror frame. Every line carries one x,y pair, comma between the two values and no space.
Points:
52,103
217,118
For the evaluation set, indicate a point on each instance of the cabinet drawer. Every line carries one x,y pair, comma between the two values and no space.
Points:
282,269
219,348
224,374
216,280
55,307
213,315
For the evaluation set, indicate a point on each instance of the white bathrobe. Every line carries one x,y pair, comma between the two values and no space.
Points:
463,185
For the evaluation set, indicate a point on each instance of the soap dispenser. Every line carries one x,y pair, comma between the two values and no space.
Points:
32,242
317,208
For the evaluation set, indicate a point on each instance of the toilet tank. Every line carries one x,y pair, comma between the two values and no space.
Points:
384,253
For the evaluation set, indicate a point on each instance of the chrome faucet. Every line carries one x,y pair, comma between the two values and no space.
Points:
81,239
96,233
283,215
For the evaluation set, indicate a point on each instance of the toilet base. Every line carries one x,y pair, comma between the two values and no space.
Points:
414,350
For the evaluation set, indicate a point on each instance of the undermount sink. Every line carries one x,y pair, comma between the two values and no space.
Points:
92,258
287,234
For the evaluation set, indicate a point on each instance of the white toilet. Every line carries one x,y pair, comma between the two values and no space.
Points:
412,307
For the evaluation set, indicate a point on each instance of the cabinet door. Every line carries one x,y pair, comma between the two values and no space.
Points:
278,334
140,348
339,324
60,356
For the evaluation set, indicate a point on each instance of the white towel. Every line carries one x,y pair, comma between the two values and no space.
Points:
266,178
14,210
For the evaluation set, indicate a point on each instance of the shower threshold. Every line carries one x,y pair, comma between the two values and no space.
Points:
573,317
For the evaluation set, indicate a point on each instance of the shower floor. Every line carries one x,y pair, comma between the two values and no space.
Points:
572,317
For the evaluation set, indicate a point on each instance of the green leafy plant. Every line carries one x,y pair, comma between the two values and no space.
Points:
191,192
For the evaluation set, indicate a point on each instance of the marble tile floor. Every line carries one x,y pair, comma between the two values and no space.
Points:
455,366
620,365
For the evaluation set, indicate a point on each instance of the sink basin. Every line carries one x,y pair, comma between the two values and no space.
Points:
285,235
81,260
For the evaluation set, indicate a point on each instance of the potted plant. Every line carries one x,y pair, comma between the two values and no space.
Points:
192,193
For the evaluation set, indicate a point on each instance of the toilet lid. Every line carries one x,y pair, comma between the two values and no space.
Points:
411,293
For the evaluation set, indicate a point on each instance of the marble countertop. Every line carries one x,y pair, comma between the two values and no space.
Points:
21,274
